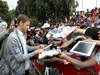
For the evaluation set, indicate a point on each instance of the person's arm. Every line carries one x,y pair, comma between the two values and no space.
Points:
31,48
66,44
78,30
16,52
97,42
91,40
87,63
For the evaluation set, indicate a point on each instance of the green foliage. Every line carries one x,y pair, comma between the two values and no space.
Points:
46,10
10,16
3,9
5,13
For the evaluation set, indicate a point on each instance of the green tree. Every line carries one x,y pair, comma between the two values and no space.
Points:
5,13
3,9
46,10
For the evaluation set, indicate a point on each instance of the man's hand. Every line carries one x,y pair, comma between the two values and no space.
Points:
40,46
36,52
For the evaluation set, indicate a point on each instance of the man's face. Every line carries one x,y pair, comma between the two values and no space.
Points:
46,29
26,26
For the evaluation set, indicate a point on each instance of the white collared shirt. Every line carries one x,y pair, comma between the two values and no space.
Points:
23,40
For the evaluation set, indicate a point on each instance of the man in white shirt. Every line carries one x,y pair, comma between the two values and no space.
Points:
15,52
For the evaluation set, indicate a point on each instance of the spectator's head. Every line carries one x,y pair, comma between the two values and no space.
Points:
14,23
23,22
3,25
93,33
37,29
46,27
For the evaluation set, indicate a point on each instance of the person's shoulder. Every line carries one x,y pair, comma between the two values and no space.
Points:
12,36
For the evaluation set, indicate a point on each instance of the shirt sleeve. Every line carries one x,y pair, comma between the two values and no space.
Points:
15,50
31,48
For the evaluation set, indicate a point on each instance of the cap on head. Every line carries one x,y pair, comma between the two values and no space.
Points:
46,25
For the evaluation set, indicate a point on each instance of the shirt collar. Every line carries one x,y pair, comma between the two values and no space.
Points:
20,32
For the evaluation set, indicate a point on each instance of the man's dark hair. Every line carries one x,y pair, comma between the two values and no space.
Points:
93,33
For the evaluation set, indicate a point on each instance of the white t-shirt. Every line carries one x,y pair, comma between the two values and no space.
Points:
23,40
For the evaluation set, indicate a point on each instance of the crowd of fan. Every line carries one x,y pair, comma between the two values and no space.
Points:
81,19
86,23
